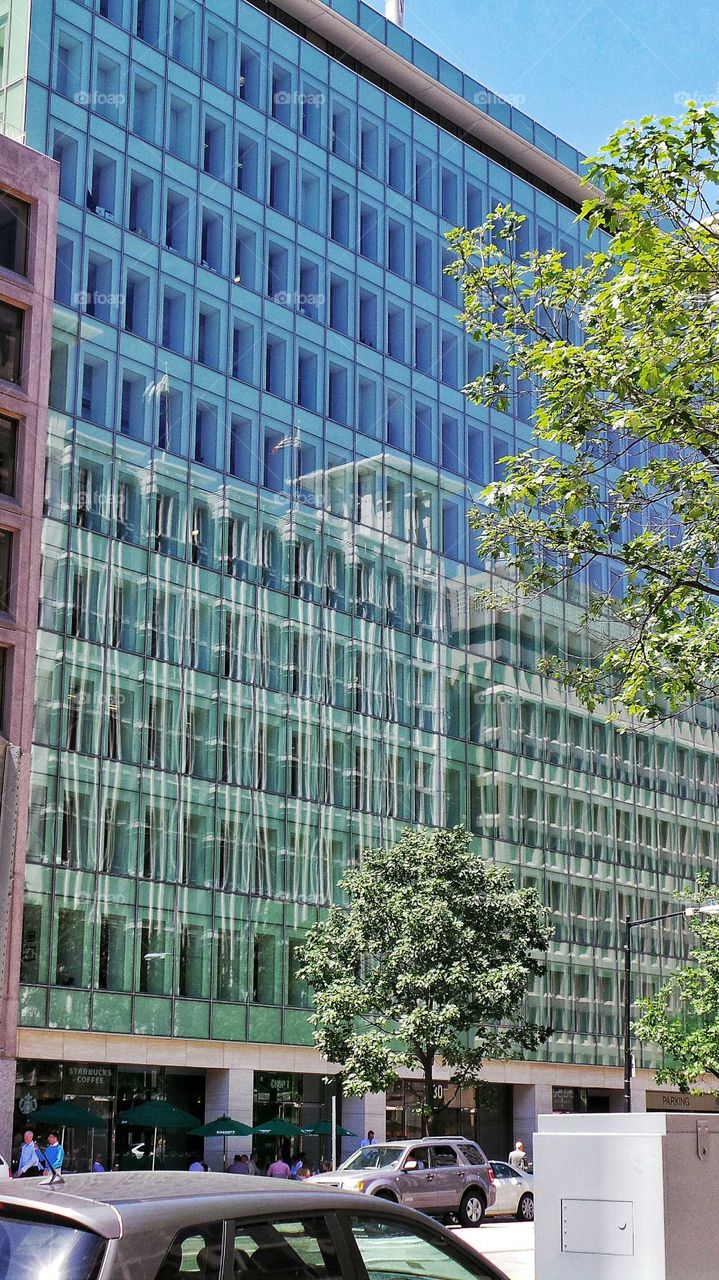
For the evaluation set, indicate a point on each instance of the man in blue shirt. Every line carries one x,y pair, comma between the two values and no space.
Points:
370,1140
53,1155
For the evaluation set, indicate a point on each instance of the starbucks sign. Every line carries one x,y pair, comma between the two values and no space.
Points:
86,1078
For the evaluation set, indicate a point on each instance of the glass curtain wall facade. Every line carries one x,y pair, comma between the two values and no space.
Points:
28,203
259,647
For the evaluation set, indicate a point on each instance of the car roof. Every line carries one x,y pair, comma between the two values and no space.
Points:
412,1142
113,1203
451,1137
392,1142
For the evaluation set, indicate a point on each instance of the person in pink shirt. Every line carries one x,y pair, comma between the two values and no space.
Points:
278,1169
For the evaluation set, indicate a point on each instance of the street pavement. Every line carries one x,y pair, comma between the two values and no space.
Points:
509,1245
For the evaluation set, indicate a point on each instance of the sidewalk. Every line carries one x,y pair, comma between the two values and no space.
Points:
509,1245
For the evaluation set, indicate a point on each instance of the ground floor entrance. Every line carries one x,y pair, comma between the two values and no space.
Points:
255,1083
484,1113
106,1091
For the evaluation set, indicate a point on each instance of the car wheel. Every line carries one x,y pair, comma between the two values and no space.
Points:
471,1210
525,1208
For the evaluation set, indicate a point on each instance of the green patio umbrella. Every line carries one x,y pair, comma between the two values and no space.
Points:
68,1115
323,1129
278,1128
223,1127
157,1114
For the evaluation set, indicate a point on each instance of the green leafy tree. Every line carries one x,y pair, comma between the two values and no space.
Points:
620,356
430,960
683,1017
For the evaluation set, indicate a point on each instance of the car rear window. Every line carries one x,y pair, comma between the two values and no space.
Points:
194,1252
472,1153
32,1245
300,1249
392,1250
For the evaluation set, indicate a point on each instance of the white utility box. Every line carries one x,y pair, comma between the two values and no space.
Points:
627,1197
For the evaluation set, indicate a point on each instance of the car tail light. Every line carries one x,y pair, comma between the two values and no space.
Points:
490,1173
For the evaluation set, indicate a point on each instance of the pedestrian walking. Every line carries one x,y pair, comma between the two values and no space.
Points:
28,1165
278,1169
518,1157
53,1155
370,1140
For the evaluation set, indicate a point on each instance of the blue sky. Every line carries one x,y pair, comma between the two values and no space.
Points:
582,67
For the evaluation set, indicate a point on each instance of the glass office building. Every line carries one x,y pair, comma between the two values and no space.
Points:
259,648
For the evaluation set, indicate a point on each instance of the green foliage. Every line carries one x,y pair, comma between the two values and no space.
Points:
622,355
683,1017
431,959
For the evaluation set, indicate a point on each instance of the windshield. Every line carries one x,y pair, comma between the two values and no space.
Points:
31,1249
375,1158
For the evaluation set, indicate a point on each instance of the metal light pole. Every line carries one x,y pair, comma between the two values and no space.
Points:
627,1013
707,909
394,11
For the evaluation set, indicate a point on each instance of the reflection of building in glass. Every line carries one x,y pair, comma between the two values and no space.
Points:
259,647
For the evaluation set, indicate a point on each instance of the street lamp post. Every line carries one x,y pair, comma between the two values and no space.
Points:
706,909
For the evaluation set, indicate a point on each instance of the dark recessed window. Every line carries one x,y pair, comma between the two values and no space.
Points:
11,325
8,453
5,568
14,223
3,682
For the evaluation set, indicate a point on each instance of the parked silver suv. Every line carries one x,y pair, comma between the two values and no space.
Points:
436,1175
